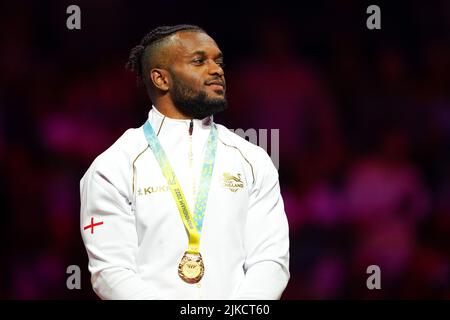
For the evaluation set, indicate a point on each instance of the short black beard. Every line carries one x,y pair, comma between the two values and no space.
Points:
192,103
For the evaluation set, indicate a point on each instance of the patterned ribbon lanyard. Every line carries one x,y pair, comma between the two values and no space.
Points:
193,224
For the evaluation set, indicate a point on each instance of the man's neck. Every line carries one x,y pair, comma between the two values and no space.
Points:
170,111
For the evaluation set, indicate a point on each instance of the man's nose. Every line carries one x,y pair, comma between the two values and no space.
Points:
215,69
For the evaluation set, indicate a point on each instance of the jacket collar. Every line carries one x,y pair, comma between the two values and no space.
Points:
162,123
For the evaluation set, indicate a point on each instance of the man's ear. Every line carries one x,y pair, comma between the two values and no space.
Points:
160,79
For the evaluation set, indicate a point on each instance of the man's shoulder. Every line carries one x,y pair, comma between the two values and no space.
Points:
121,153
253,153
228,136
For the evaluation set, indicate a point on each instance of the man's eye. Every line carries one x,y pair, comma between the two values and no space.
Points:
221,64
198,61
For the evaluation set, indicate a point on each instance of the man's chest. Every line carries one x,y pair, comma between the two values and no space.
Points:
227,195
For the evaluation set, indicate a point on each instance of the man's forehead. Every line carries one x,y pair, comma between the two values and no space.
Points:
189,42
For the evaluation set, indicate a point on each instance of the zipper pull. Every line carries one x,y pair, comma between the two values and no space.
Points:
191,127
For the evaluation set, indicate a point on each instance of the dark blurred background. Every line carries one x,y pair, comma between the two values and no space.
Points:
364,120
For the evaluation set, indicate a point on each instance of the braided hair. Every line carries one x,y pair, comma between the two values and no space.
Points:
140,55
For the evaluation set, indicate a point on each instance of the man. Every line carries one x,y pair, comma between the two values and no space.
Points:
182,208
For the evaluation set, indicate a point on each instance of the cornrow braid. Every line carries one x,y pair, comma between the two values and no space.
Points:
136,59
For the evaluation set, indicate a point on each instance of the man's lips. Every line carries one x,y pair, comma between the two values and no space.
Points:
216,85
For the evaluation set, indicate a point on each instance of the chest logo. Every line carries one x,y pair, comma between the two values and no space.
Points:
232,182
150,190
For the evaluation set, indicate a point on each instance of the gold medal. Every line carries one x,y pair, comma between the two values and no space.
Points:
191,268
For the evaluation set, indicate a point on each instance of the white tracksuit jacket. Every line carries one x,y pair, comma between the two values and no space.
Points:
138,237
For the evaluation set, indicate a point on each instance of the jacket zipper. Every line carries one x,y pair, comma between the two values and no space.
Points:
191,164
191,158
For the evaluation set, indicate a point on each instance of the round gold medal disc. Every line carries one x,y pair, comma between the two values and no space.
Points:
191,267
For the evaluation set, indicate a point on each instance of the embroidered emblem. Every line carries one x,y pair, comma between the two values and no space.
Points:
92,225
232,182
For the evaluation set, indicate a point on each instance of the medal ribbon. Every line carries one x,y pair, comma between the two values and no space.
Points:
193,224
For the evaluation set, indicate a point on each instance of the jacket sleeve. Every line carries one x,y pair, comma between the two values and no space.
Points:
266,239
113,245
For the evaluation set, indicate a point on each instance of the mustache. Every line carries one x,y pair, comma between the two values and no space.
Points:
217,80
